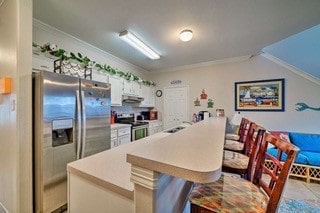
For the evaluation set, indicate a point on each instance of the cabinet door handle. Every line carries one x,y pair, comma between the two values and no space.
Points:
43,66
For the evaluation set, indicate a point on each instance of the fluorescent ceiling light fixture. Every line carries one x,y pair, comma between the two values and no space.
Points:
186,35
133,41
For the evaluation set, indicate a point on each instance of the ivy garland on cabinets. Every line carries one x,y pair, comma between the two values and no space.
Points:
86,62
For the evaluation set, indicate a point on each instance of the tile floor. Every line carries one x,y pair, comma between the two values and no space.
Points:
300,190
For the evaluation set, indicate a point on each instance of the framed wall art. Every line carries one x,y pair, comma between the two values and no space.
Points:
264,95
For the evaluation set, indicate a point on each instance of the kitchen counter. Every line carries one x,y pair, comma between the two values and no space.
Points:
192,154
109,168
117,126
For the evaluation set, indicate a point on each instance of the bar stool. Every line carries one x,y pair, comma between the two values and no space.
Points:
230,194
236,137
243,164
238,145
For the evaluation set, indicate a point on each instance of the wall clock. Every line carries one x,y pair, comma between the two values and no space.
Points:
158,93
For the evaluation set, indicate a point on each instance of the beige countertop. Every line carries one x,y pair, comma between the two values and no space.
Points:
109,168
118,126
152,121
194,153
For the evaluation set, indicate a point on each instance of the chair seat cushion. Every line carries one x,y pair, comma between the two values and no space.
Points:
235,160
233,145
229,194
230,136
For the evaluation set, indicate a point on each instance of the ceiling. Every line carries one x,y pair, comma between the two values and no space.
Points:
222,29
301,50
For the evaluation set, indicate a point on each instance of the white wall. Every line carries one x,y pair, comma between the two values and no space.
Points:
218,81
15,108
43,33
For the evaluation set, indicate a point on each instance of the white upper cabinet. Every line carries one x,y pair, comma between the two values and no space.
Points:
40,63
148,94
99,76
132,88
116,90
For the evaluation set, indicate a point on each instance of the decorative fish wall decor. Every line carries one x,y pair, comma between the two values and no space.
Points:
303,106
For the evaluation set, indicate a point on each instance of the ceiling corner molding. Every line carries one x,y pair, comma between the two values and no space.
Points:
206,64
50,29
291,68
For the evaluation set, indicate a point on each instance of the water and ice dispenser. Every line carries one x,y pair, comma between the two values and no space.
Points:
62,132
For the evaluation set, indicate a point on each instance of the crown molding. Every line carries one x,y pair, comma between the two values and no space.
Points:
50,29
291,68
206,64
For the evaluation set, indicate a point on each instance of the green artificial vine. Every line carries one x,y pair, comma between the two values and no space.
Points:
84,61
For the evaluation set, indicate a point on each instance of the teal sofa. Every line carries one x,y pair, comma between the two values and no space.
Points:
307,162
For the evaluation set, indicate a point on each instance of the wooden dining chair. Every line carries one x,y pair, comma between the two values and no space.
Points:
243,164
238,145
231,194
233,136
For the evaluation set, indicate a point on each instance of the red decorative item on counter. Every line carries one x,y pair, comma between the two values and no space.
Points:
112,118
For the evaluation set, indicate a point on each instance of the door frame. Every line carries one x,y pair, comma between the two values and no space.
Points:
164,101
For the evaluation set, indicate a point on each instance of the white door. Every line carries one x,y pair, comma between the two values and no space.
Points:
175,106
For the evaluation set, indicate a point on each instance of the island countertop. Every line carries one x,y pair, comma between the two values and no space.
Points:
194,154
109,168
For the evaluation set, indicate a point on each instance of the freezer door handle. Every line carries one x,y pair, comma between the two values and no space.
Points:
84,127
79,124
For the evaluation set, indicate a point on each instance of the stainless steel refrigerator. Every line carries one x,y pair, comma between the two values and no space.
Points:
71,121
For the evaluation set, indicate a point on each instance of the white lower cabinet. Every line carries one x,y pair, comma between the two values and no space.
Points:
155,127
114,138
124,139
120,136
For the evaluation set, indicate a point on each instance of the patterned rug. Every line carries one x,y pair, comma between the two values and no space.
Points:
299,206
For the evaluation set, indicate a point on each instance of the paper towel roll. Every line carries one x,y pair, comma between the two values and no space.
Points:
205,115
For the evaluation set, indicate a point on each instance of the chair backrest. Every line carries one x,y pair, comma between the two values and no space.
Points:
273,180
252,146
243,129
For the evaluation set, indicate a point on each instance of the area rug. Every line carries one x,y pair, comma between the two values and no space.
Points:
301,206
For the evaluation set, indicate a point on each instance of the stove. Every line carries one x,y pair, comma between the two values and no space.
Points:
128,118
139,129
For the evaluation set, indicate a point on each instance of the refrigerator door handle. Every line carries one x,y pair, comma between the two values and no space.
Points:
79,124
84,127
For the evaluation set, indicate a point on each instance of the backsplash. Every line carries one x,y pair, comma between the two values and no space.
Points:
129,108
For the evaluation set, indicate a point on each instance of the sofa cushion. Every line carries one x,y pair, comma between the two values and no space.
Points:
313,157
282,135
300,159
306,142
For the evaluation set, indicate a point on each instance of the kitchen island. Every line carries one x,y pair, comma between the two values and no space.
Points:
153,174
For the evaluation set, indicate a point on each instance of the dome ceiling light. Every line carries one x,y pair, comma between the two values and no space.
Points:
186,35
